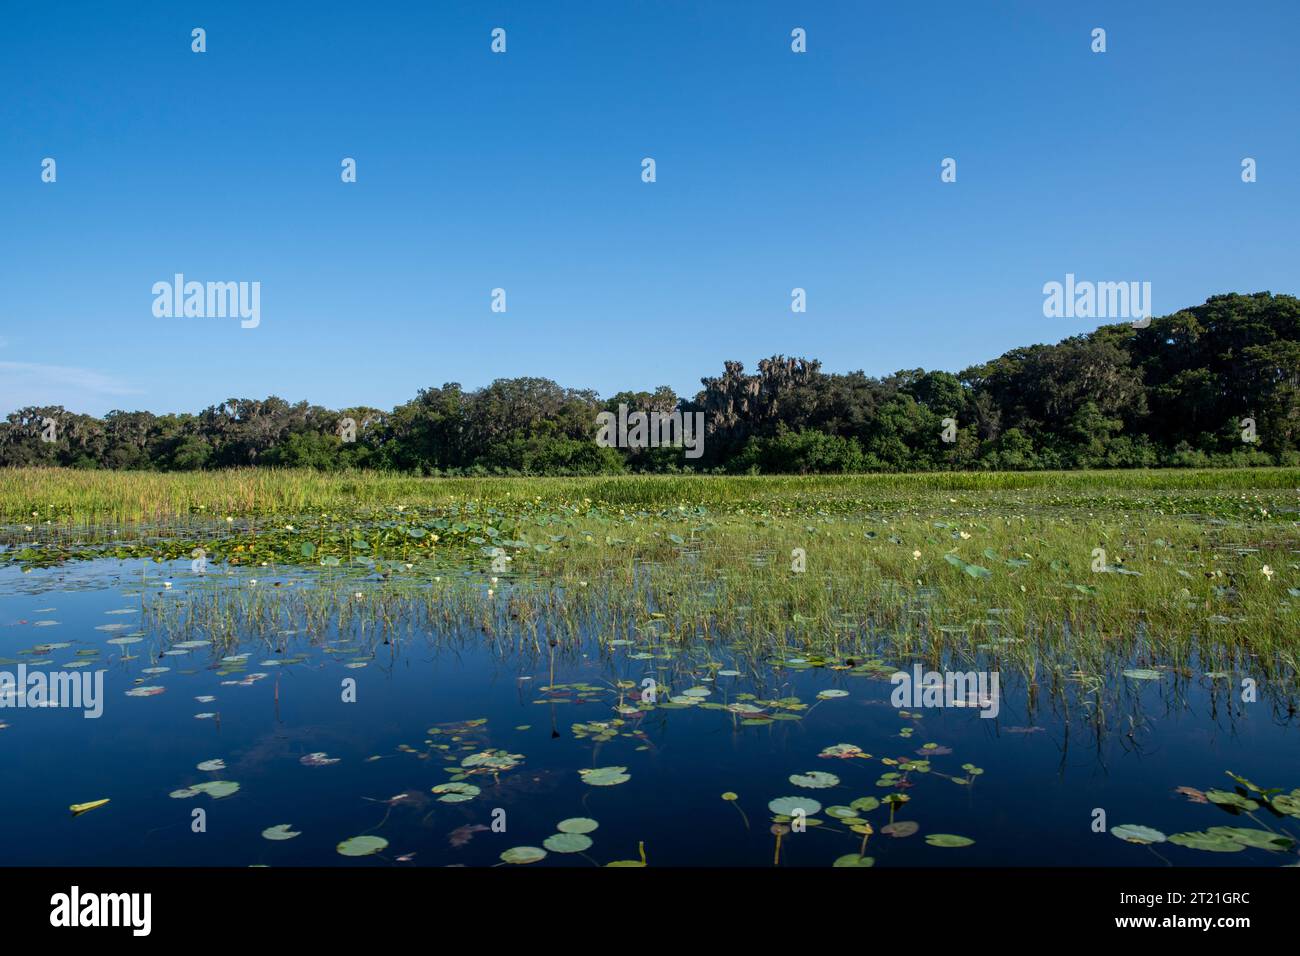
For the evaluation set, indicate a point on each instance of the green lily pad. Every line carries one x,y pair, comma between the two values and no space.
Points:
948,840
577,825
523,854
605,776
1230,798
567,842
815,780
1214,843
786,806
361,845
852,859
281,831
902,828
1249,836
456,792
1133,833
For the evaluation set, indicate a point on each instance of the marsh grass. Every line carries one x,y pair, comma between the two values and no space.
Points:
1201,568
98,496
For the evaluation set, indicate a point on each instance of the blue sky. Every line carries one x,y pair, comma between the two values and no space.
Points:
523,171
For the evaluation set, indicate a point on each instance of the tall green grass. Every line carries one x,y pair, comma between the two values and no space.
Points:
59,494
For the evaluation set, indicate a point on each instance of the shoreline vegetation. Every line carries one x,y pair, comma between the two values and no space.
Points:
76,495
1217,385
1194,571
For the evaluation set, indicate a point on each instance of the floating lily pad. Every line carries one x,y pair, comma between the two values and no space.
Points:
567,842
948,840
1249,836
523,854
787,806
1214,843
903,828
605,776
852,859
456,792
1229,798
814,780
282,831
361,845
1133,833
577,825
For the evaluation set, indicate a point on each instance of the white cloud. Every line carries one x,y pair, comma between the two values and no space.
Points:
76,389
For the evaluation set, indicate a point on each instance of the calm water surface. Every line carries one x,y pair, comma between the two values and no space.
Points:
1043,774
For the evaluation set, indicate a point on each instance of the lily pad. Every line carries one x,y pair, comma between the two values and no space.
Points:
605,776
1214,843
523,854
815,780
456,792
577,825
787,806
1133,833
281,831
567,842
1229,798
948,840
361,845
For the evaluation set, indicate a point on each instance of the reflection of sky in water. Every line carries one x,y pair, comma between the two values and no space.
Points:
1043,774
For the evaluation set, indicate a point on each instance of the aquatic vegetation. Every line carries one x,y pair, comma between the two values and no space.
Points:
216,789
456,792
523,854
1230,839
80,808
654,627
362,845
948,840
605,776
283,831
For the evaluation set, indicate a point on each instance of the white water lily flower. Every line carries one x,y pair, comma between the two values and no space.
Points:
167,584
916,555
1267,572
965,535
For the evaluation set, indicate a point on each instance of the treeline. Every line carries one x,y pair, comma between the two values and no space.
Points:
1172,394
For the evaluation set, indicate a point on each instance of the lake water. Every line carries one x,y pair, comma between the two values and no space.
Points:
1045,768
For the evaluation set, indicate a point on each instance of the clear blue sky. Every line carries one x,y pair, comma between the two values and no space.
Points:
522,171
